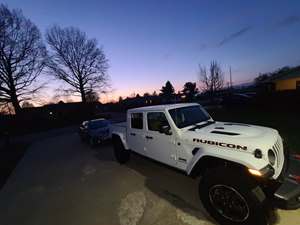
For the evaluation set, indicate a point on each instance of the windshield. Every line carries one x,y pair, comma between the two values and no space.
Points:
187,116
98,124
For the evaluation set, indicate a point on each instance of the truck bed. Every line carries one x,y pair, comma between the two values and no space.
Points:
119,128
122,124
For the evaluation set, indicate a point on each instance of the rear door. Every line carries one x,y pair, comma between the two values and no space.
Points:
135,132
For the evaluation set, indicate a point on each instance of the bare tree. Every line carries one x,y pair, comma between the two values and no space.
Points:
6,108
77,60
92,96
213,81
22,57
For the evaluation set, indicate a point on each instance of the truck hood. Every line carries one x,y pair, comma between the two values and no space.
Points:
248,135
236,137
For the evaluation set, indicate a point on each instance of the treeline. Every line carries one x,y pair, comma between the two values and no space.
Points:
210,81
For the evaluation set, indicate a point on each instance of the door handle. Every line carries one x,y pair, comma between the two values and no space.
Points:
132,134
149,137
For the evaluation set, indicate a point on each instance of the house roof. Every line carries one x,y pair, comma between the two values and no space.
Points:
289,74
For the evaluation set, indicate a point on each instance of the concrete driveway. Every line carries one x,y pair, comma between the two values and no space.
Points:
63,181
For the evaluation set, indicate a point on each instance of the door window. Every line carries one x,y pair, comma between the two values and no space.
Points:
137,120
156,120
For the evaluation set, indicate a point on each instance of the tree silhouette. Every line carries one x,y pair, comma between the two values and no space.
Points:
167,92
213,81
22,57
77,60
189,91
120,99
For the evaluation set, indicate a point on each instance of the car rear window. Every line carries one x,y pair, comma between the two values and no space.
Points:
98,124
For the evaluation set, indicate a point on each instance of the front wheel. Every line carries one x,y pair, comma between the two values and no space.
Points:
232,198
121,154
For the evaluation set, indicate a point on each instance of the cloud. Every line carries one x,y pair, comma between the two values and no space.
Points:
234,35
288,21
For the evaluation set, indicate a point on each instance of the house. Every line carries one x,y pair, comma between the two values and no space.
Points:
287,80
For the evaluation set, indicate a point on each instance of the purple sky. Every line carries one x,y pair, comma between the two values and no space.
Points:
150,42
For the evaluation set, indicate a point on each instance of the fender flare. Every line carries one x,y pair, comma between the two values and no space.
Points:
122,137
201,161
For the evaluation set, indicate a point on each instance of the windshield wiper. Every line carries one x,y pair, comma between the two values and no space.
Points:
199,126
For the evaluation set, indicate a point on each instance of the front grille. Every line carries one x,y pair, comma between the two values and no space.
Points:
277,148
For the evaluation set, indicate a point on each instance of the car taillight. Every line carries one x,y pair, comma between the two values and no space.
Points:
296,156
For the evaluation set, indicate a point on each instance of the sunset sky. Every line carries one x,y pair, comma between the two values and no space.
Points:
150,42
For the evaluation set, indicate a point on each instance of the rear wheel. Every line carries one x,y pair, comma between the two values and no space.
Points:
81,138
121,154
232,198
92,141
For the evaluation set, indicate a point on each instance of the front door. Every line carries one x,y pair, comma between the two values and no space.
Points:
160,146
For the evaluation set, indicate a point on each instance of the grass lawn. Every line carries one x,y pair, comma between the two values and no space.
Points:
287,123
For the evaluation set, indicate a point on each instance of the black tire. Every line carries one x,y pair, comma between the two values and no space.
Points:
121,154
92,142
232,197
81,138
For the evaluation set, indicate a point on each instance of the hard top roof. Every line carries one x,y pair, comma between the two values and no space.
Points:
162,107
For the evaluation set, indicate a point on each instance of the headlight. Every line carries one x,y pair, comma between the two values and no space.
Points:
267,171
272,157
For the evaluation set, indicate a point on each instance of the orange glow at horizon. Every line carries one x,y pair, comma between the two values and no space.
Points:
112,96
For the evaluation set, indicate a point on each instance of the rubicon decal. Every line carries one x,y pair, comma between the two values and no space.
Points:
222,144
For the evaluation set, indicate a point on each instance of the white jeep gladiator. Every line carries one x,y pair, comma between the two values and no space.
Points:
243,168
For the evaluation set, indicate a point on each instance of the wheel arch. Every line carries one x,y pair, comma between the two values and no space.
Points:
121,137
207,162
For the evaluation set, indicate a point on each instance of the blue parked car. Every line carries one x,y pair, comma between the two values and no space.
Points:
95,131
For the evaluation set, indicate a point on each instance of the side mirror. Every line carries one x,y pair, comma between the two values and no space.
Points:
165,129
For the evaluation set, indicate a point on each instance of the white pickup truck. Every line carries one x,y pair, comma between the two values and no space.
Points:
243,167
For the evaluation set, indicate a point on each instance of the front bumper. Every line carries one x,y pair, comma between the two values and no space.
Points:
287,196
